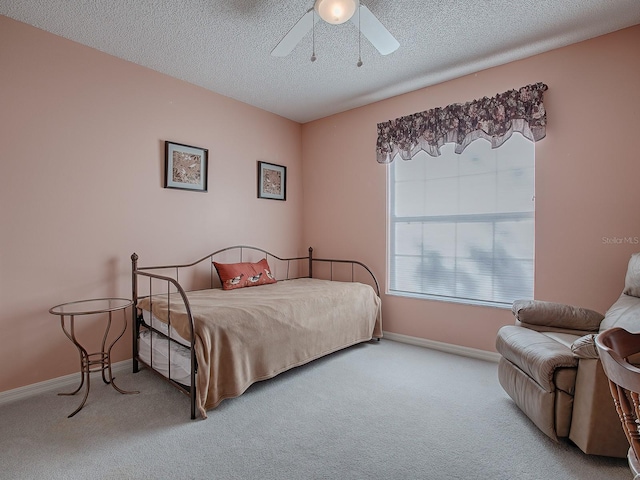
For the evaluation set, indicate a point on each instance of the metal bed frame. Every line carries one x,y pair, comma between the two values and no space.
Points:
173,286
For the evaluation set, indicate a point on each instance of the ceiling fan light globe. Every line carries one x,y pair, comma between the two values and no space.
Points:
336,11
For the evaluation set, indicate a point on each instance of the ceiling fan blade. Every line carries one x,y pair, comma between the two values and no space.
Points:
375,32
297,33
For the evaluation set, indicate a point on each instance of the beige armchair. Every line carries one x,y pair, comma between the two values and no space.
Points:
551,369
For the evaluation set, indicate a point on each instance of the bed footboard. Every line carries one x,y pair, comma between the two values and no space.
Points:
170,286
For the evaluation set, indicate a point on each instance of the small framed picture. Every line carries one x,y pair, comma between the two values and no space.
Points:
185,167
272,181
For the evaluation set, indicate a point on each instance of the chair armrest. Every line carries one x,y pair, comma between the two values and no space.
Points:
557,315
585,347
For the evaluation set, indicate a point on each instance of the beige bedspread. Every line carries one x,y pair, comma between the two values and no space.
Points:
255,333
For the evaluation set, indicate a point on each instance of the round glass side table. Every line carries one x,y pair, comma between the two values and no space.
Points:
97,361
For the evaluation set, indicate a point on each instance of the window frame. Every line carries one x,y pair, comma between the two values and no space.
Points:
493,218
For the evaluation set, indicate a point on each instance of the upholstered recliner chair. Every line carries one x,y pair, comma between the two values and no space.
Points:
550,367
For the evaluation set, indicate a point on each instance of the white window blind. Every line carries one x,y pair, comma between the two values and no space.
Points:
461,226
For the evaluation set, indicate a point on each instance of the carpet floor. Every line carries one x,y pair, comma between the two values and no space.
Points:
382,410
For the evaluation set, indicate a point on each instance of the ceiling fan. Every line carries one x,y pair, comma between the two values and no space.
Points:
337,12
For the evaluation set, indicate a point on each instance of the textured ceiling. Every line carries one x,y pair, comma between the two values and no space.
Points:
225,45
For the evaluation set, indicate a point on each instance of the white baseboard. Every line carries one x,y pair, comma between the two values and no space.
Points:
444,347
59,383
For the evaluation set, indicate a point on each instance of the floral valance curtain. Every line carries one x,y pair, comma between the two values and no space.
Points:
494,119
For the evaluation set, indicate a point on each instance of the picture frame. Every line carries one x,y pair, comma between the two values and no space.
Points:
272,181
185,167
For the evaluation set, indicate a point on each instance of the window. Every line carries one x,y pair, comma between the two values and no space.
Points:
461,226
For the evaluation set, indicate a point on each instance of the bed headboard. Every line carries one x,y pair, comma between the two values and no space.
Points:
201,273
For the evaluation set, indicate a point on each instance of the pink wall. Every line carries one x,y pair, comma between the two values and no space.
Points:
82,135
587,171
82,156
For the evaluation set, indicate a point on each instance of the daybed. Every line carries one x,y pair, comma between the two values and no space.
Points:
212,339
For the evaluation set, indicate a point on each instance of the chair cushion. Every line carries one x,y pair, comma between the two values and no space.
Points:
566,339
624,313
539,356
632,279
559,315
